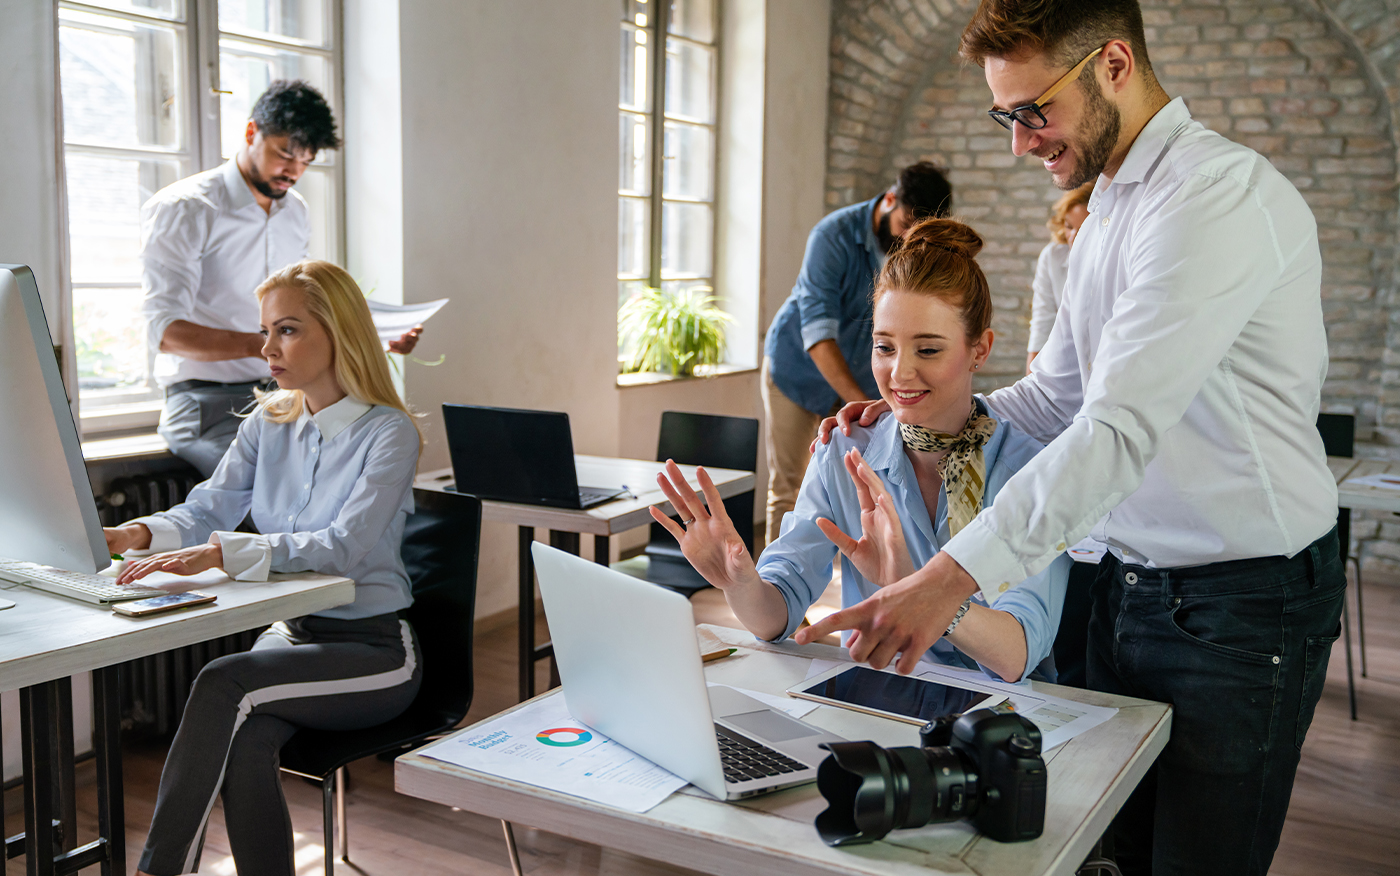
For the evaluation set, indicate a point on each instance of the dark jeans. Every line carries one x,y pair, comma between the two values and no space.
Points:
1240,651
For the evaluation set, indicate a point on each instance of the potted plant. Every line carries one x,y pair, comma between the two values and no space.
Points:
671,331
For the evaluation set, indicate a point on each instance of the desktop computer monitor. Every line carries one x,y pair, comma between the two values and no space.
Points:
47,512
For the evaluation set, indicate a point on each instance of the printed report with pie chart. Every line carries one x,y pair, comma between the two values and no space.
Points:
542,744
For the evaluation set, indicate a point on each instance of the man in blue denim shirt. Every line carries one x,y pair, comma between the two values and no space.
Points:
817,353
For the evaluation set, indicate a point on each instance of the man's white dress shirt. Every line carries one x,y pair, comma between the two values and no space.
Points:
205,246
1180,386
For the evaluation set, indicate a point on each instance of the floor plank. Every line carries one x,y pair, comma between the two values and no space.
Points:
1342,818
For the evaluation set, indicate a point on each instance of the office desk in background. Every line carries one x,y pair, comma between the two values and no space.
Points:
566,525
1089,778
45,639
1363,497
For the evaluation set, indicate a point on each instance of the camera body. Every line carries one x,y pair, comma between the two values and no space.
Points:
983,765
1012,777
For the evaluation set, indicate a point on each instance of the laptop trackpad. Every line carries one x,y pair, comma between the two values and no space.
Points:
770,725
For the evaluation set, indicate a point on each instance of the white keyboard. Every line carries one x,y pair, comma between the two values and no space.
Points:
97,589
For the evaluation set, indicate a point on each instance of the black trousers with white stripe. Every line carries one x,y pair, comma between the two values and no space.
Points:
313,672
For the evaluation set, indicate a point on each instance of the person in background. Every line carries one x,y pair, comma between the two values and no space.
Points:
326,465
817,351
1052,266
905,485
207,241
1178,394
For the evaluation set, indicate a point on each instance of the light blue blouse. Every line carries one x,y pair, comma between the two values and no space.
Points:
799,562
329,493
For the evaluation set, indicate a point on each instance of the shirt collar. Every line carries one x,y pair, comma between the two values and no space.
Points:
885,451
1152,141
239,194
333,420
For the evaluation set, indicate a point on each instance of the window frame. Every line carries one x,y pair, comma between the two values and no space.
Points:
658,38
200,149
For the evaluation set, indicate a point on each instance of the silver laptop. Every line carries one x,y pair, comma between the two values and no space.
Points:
631,669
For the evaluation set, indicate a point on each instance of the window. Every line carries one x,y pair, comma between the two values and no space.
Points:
667,146
142,109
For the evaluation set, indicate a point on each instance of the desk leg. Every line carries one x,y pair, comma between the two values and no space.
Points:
36,708
564,541
602,549
61,742
526,613
111,805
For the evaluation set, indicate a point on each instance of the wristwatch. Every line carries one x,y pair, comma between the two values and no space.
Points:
957,618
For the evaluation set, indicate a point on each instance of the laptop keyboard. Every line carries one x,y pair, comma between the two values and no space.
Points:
745,759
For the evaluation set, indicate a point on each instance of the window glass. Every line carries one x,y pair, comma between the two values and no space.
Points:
318,189
634,157
633,91
633,237
105,195
689,169
686,240
245,70
109,334
689,81
174,9
693,19
119,81
295,19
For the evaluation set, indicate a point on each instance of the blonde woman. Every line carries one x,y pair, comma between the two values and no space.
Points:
1052,267
326,466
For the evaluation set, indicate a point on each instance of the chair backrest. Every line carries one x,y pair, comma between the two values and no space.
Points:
1338,433
717,442
441,543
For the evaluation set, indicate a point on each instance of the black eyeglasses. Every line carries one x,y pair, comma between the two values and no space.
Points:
1030,114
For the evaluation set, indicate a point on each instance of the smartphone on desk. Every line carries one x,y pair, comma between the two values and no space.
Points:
157,604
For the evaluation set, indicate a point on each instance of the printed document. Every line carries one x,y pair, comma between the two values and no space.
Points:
393,321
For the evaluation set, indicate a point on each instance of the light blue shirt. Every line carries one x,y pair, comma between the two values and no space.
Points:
329,493
799,562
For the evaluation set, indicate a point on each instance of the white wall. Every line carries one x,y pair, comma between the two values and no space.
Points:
510,209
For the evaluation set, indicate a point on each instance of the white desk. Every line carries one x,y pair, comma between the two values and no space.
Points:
1369,498
565,526
45,638
1089,779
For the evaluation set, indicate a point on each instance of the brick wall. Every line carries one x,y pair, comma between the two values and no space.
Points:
1314,87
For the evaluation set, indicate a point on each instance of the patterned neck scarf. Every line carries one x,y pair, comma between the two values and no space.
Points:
964,468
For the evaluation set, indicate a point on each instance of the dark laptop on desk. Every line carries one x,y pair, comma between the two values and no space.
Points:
512,455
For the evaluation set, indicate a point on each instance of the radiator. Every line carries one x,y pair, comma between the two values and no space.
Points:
154,688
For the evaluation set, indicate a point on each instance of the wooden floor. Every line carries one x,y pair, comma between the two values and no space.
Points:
1344,818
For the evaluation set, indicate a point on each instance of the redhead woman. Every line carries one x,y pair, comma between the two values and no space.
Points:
889,496
325,464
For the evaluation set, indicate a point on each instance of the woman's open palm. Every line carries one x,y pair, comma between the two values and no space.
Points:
708,538
880,554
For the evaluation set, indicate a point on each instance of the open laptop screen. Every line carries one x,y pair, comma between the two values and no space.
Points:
512,455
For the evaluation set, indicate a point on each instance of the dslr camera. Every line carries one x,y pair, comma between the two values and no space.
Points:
984,766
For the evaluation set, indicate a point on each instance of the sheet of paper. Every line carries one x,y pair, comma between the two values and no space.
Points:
787,705
543,745
1384,481
393,320
1059,720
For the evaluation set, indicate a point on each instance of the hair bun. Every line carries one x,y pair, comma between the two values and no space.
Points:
946,234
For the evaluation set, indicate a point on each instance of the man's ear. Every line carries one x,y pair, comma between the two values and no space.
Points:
250,132
888,202
1118,65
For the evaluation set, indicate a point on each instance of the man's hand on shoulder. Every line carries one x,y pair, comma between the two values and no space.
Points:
903,619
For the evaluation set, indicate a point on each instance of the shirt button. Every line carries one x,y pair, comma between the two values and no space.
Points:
1005,585
1060,546
1104,222
289,517
1131,578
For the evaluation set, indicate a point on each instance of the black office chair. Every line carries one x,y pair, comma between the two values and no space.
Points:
440,547
714,442
1339,439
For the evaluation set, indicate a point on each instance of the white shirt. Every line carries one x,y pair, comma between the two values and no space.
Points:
205,246
1046,291
329,493
1180,386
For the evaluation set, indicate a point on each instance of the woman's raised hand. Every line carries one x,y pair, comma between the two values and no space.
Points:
881,554
707,536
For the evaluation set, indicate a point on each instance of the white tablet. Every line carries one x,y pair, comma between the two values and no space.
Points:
904,698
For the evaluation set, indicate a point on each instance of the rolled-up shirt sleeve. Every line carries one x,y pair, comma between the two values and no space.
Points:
172,241
1191,291
1036,605
799,562
818,288
376,497
219,503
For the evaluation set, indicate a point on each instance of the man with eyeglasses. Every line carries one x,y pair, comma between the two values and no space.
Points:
1178,394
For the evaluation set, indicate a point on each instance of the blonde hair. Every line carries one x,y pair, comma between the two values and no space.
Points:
361,367
1068,201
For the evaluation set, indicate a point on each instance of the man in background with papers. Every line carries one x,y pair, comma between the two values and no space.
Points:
207,241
